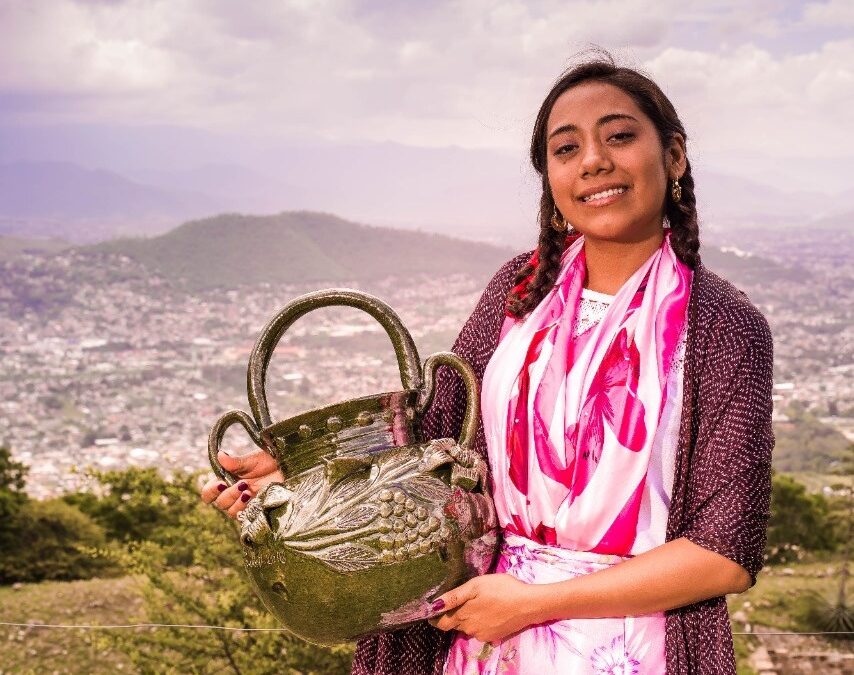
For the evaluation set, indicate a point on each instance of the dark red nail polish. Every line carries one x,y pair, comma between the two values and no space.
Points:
438,605
221,487
245,497
242,485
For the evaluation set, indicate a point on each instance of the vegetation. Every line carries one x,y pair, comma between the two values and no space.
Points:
13,246
184,561
298,246
180,564
43,540
799,521
805,444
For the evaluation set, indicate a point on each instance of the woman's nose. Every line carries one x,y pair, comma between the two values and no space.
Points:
594,159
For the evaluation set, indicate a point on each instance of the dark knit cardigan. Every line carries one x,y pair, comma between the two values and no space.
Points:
722,487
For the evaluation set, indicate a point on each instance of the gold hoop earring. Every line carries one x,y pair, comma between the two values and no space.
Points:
676,191
560,225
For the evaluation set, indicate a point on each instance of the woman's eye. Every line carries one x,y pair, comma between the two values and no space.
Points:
562,150
623,136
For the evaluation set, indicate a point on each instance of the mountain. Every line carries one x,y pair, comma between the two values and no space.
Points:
231,249
175,173
11,247
726,201
65,200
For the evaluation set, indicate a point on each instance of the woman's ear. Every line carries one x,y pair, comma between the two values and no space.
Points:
676,157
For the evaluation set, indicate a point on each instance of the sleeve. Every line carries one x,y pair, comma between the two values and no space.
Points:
730,479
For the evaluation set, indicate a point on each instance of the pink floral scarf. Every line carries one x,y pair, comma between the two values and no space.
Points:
570,422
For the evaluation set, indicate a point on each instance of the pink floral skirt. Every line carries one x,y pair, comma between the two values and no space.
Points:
609,646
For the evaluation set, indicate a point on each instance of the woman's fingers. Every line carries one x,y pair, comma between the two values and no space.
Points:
212,489
233,494
232,500
255,470
255,464
239,505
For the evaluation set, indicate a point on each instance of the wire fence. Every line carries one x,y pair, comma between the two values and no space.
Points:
239,629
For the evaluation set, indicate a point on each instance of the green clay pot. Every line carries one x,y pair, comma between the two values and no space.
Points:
370,523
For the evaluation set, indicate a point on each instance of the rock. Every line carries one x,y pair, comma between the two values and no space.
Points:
788,571
740,616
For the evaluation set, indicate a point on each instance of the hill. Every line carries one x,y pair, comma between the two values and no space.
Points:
231,250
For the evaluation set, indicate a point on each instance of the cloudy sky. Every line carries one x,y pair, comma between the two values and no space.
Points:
765,88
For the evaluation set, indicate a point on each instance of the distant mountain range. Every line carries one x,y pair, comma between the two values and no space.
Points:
67,201
95,187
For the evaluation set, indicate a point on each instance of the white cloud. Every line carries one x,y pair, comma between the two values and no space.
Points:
835,14
469,73
750,100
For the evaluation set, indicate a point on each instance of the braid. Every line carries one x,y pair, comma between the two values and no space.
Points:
550,248
685,229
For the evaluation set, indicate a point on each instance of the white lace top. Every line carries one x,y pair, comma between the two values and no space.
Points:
652,520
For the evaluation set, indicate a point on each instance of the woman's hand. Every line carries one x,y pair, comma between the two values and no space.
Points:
255,470
488,607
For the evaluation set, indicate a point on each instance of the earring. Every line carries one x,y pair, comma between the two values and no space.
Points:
676,191
560,225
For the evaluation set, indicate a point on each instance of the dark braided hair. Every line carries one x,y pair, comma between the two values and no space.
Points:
534,281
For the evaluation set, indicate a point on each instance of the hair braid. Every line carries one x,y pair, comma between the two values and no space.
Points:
684,224
550,248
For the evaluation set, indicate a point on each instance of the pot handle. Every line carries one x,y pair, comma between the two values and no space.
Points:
217,434
256,376
470,420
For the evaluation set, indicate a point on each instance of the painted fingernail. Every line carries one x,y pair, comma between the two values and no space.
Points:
243,485
245,497
438,605
221,487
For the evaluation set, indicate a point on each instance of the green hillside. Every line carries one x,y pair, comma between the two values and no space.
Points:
232,249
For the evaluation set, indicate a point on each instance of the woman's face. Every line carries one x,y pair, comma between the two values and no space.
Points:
600,144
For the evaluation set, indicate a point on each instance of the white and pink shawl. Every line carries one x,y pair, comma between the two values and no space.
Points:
569,422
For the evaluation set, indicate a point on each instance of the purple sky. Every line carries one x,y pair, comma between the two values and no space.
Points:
765,88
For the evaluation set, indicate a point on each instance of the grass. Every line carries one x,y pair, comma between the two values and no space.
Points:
777,600
781,600
44,650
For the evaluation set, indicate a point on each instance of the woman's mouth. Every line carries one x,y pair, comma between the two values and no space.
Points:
604,197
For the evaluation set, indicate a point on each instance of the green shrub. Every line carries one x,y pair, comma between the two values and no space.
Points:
50,540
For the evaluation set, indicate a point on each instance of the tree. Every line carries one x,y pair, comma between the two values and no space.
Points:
12,480
136,504
798,519
51,540
204,584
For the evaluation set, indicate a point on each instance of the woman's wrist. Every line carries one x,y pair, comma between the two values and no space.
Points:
553,601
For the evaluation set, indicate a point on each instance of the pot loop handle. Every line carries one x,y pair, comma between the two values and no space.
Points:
404,348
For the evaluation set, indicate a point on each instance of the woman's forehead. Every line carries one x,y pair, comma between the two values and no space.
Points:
584,104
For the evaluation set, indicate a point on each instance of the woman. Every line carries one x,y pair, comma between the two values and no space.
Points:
626,404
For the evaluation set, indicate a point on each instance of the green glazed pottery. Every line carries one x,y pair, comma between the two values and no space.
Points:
370,523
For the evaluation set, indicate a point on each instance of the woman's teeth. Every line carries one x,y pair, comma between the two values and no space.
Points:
602,195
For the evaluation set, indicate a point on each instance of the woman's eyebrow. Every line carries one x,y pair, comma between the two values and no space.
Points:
601,121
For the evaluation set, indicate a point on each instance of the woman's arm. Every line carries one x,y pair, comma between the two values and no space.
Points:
719,549
672,575
677,573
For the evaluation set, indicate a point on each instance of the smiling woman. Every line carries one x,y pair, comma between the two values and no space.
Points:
626,418
626,404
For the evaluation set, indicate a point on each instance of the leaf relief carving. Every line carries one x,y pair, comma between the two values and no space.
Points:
348,557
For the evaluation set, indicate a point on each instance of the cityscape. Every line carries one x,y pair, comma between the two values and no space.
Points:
126,369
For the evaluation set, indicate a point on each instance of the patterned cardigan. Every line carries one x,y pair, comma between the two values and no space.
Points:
722,487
